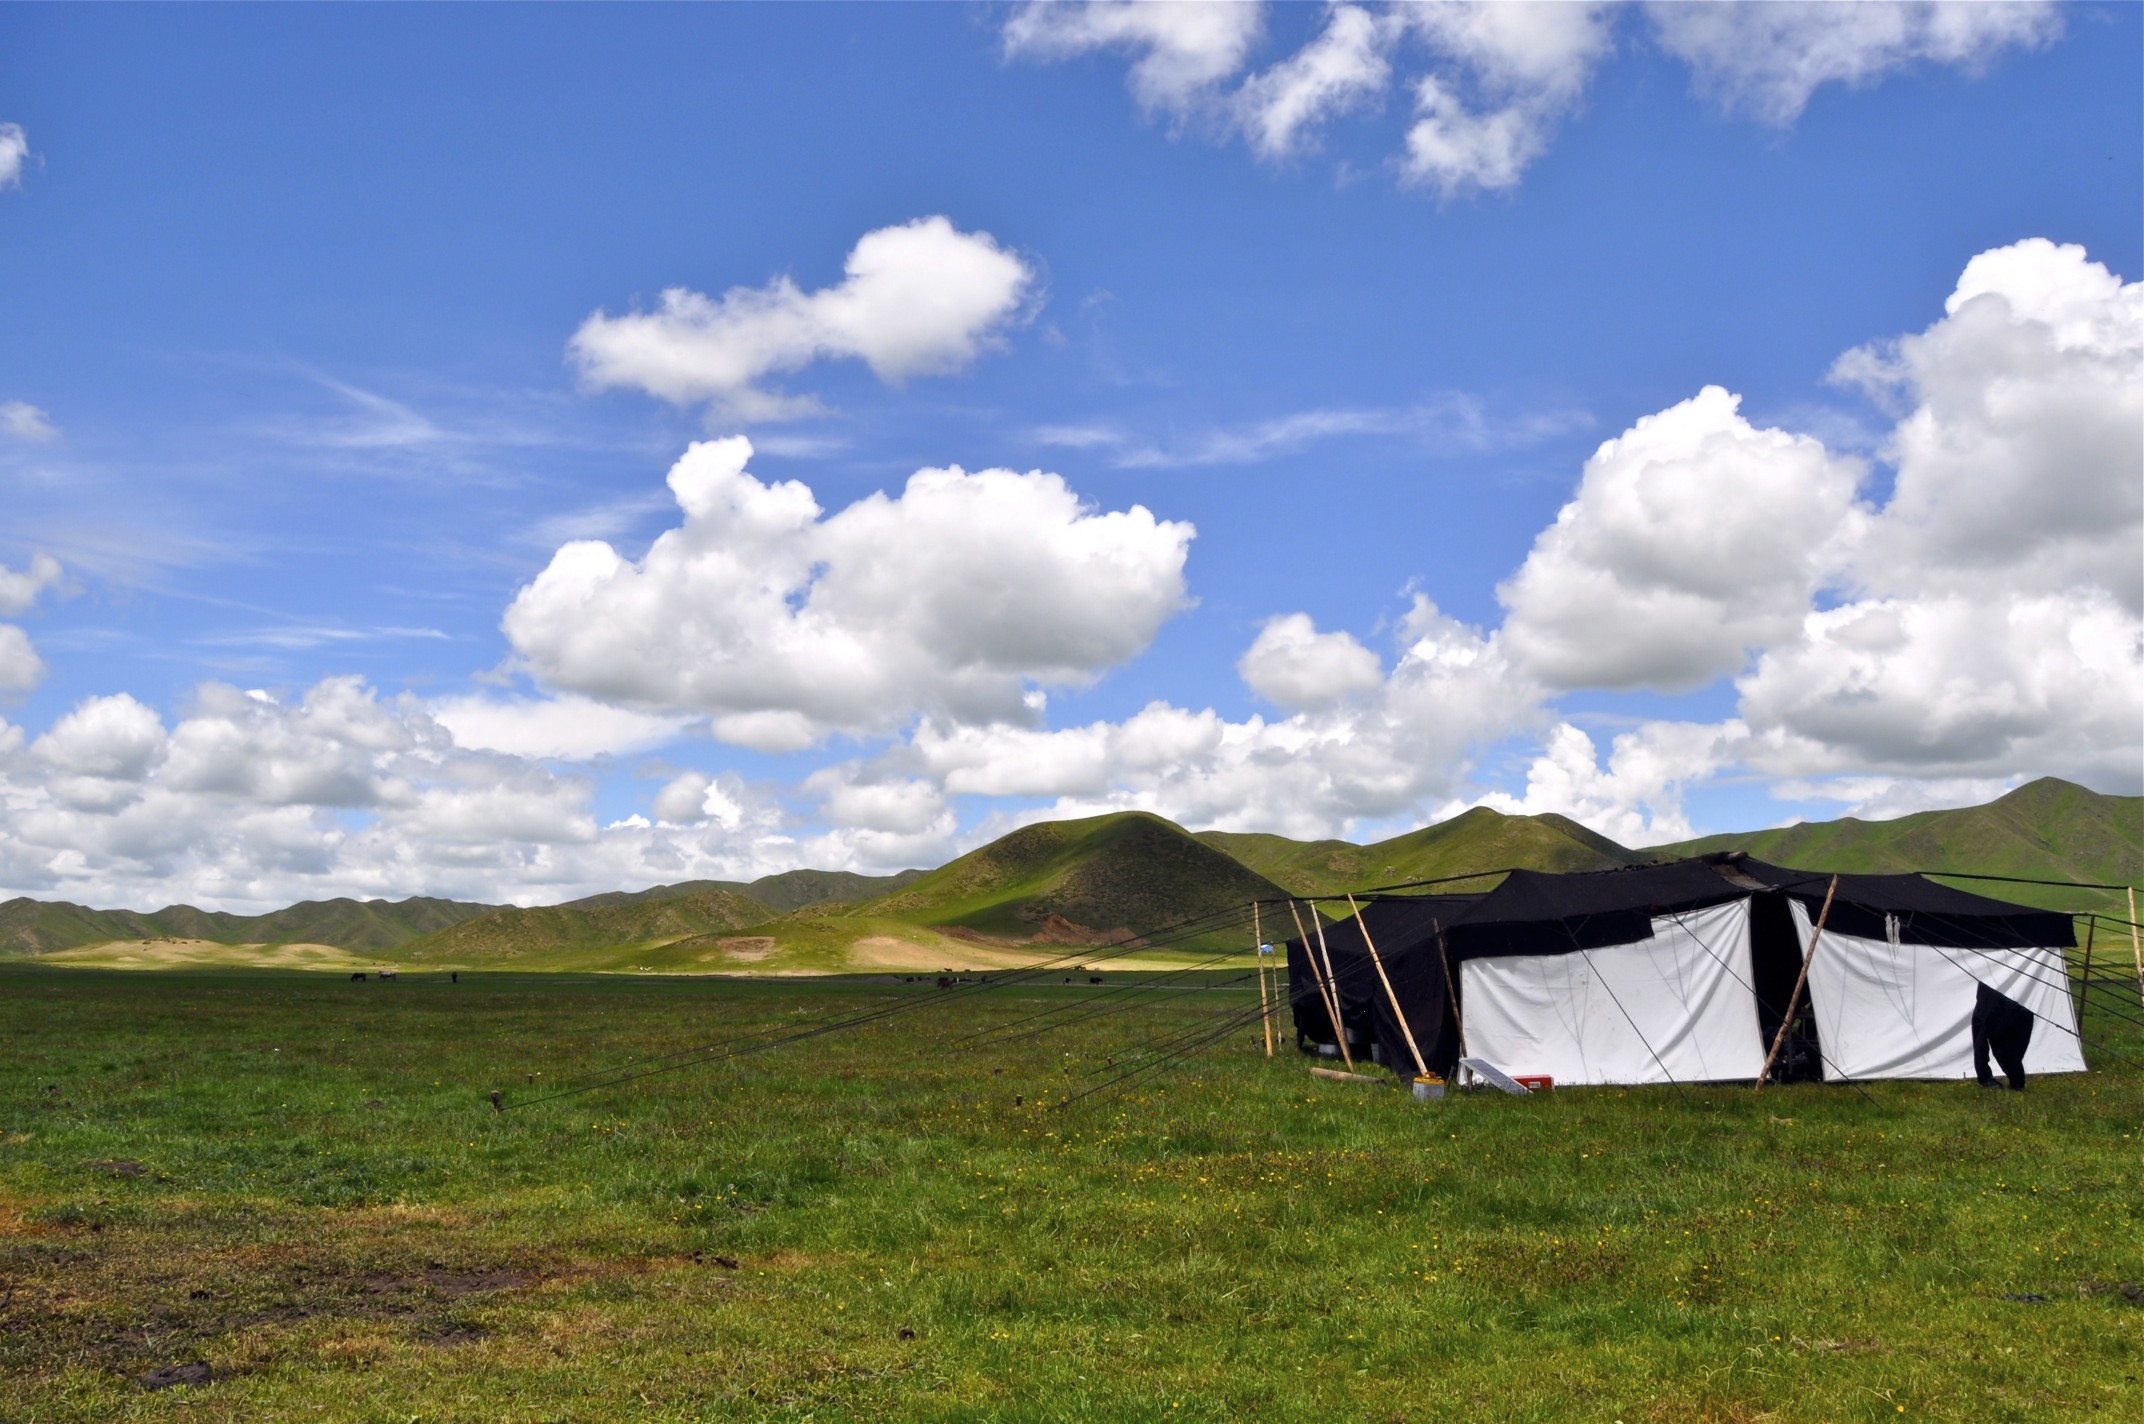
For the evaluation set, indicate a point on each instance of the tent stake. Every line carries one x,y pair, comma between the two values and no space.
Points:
1421,1069
2135,946
1265,1007
1794,999
1327,995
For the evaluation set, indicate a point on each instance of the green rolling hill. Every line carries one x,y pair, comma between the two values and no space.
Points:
2045,830
1473,841
553,935
1127,874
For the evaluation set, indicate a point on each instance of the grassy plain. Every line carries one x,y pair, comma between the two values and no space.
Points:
298,1181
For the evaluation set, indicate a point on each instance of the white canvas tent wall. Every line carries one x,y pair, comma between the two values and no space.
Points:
1891,1010
1674,1007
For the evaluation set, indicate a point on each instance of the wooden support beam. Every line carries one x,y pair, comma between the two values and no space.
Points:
1265,1007
2136,946
1421,1069
2084,980
1325,996
1339,1022
1794,999
1451,985
1327,990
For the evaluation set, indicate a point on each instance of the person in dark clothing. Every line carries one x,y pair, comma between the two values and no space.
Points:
2004,1026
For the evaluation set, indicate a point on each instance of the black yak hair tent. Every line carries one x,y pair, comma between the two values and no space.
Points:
1683,972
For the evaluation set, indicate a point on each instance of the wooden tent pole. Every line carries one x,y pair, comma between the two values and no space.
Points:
1786,1021
2084,980
1451,985
1326,996
1339,1022
2136,947
1421,1069
1265,1005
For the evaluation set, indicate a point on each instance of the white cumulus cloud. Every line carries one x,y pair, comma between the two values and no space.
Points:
1885,798
14,152
1489,82
1180,49
569,728
18,591
1507,76
112,738
21,669
1950,685
1766,59
919,299
1292,665
1344,68
1992,625
1397,748
249,801
25,421
1694,538
1637,797
1980,623
2019,458
683,799
953,598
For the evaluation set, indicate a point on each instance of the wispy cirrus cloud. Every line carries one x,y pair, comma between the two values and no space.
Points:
296,637
374,422
1450,422
610,519
366,420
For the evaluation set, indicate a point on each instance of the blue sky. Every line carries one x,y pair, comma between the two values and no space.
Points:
330,329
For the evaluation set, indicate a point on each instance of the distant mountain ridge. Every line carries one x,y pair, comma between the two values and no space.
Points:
376,926
1111,879
367,926
551,930
782,893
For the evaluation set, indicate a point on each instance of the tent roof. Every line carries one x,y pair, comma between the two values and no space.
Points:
1396,923
1543,912
1928,911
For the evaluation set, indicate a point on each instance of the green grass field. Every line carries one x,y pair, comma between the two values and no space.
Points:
298,1181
